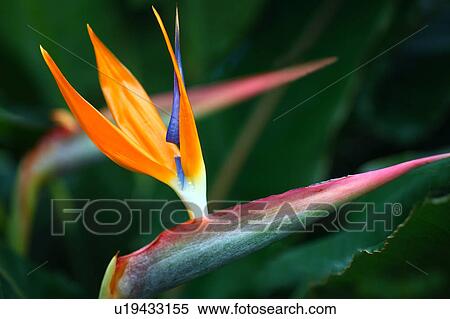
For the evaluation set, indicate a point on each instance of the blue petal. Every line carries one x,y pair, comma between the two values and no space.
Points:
180,173
173,131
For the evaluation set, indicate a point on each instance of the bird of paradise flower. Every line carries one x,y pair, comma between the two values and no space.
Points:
141,142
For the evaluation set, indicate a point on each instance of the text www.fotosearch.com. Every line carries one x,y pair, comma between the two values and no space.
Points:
209,307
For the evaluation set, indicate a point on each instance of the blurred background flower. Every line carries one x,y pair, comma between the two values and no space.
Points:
385,100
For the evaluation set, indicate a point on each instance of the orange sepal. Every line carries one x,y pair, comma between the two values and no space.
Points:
130,105
108,138
190,148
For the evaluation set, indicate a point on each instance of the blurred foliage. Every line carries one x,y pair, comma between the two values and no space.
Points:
19,279
396,103
406,267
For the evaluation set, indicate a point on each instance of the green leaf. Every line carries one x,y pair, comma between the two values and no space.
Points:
413,263
313,262
211,28
19,129
397,116
21,279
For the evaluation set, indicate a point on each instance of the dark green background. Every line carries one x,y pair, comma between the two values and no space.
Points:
396,105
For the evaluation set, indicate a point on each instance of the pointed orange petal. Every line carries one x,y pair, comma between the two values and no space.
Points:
190,148
130,105
108,138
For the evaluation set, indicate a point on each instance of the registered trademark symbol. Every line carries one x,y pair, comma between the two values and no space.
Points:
397,209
